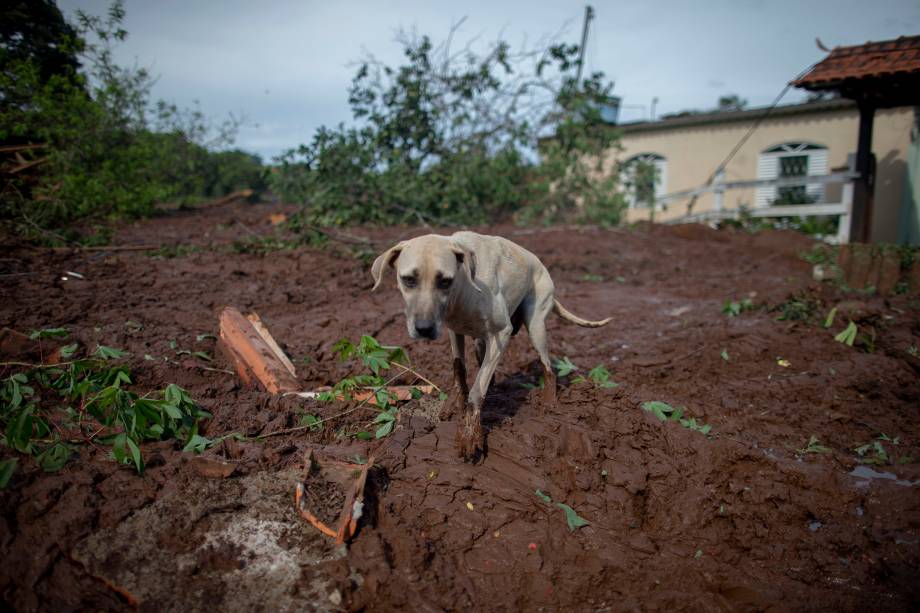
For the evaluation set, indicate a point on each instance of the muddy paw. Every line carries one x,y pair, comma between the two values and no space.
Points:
470,441
548,395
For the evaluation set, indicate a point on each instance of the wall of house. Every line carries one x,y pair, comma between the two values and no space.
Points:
693,152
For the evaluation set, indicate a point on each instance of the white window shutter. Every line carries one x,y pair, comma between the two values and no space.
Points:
817,166
661,187
767,168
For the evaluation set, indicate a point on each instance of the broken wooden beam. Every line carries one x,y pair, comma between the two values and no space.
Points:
255,354
348,478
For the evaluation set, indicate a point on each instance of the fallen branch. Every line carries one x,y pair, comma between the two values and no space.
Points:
26,165
401,392
15,148
360,405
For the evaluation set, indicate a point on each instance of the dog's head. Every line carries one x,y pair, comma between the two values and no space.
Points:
431,271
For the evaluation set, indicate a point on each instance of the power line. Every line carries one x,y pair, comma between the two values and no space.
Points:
751,130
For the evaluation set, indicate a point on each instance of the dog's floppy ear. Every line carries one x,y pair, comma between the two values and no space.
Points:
385,259
467,261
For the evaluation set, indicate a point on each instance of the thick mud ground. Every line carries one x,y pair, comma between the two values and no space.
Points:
740,519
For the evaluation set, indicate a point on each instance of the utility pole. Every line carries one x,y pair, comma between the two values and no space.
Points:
589,15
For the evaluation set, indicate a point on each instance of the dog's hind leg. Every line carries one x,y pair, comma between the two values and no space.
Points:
461,391
537,307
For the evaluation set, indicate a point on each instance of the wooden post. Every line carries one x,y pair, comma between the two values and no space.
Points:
861,214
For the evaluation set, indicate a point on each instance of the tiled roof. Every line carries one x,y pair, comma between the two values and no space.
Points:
871,60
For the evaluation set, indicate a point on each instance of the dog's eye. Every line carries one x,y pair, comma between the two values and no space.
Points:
409,282
444,283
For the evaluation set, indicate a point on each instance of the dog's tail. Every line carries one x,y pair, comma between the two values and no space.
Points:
567,315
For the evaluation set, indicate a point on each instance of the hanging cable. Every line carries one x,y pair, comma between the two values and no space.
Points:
744,139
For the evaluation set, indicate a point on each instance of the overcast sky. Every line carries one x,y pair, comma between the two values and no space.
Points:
286,64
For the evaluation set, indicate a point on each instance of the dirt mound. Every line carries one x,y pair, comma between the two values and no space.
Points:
747,515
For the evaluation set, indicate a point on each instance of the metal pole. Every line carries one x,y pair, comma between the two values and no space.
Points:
589,15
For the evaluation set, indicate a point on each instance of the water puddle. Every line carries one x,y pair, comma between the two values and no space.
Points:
868,474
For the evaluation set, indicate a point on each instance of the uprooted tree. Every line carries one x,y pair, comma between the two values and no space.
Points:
454,136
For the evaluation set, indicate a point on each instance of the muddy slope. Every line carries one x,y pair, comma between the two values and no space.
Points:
740,519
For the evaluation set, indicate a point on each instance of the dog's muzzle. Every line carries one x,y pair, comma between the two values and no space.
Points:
426,329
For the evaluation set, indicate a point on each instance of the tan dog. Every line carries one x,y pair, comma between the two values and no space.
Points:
479,286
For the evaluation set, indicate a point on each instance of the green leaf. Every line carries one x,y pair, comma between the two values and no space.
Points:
572,518
136,454
15,394
724,355
384,429
385,416
848,335
202,337
312,422
543,497
108,353
204,355
197,443
829,320
67,351
364,435
814,446
7,468
382,398
344,348
416,393
48,333
19,431
661,410
53,458
564,366
172,410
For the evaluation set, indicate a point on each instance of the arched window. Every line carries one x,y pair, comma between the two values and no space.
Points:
789,160
644,177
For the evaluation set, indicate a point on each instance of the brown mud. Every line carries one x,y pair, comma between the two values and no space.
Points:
740,519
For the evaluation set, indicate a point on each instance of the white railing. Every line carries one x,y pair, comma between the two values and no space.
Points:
719,186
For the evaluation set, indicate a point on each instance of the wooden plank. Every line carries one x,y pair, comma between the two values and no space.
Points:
253,358
270,341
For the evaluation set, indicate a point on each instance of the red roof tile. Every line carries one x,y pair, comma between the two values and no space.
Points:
885,58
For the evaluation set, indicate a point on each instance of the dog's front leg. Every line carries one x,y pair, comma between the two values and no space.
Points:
461,392
470,439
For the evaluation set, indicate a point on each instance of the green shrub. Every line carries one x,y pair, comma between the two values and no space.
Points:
106,149
453,138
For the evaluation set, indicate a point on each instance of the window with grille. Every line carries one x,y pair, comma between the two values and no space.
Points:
789,160
644,177
791,166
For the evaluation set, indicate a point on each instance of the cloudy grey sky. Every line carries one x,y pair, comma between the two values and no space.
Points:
287,64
